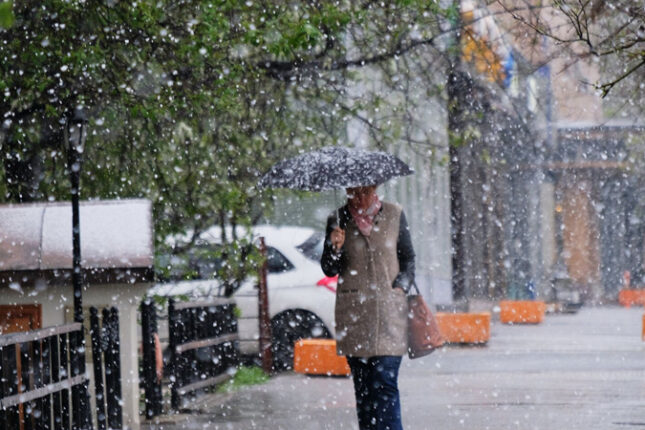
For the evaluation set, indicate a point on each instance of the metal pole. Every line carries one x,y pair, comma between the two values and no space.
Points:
74,168
173,341
113,367
80,394
97,353
265,322
152,384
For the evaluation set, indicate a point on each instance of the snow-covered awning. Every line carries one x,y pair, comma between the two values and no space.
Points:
115,235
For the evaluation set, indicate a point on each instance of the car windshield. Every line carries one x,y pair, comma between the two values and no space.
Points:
312,248
204,262
201,262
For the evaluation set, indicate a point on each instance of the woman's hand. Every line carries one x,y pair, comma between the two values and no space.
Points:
337,238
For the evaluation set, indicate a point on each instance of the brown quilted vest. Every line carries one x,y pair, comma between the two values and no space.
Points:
371,316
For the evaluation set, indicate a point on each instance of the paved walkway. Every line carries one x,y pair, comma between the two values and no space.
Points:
582,371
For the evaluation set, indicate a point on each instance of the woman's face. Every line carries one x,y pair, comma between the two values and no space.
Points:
361,197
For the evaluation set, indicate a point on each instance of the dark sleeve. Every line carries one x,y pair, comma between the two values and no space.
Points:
331,261
405,254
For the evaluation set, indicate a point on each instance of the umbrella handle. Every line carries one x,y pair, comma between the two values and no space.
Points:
337,208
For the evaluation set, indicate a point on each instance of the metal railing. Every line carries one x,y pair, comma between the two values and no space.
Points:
41,382
152,371
203,345
106,349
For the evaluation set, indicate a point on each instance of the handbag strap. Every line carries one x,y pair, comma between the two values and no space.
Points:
414,285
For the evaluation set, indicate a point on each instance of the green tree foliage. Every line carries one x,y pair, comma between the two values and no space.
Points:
6,14
190,101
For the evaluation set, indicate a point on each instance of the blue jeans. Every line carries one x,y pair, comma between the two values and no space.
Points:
377,392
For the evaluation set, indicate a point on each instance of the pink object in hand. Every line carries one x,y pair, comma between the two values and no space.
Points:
329,282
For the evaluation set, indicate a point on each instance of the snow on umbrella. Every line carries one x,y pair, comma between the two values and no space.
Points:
334,167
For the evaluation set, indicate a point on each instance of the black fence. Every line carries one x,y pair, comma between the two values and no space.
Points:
107,368
43,384
152,370
203,345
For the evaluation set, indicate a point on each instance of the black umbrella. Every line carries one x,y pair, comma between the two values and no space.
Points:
334,167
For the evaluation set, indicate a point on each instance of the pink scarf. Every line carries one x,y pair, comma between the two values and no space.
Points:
364,219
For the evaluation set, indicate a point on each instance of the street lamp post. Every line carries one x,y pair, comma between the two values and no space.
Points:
76,134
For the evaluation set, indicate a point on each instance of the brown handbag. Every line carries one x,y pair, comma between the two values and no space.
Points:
423,331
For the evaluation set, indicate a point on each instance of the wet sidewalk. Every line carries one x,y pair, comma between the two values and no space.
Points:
580,371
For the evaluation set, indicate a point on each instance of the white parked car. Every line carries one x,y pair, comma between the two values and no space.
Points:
301,297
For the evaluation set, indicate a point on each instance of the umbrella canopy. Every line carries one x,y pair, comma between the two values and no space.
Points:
334,167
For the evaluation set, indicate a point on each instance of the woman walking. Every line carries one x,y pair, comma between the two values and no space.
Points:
368,245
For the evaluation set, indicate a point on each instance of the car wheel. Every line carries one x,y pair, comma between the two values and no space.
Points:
289,327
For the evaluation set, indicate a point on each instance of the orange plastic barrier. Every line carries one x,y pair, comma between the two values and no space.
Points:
464,327
631,297
318,357
522,311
